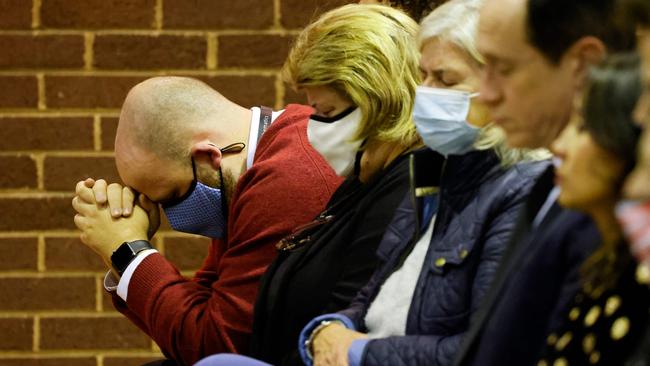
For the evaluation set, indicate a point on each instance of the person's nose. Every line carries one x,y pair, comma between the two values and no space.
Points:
558,147
489,91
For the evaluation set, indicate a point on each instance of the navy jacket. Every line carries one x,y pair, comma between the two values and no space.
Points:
534,287
477,206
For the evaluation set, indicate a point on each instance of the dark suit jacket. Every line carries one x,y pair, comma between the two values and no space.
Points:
535,284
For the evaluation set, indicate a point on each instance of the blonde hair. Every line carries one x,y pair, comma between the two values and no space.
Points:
369,54
457,22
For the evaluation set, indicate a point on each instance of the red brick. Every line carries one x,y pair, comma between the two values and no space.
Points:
18,254
91,333
45,361
299,13
95,14
150,52
17,172
26,214
268,51
70,254
187,253
17,334
107,302
15,14
247,91
109,127
41,51
62,174
44,133
292,96
24,294
18,91
218,14
88,91
130,361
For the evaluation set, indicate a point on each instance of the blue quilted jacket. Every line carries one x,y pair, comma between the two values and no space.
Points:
476,208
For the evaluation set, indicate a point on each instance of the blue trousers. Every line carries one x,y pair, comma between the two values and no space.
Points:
228,359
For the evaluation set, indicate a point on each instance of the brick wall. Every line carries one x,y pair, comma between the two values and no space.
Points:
65,67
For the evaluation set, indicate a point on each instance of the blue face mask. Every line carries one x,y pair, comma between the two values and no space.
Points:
202,210
440,117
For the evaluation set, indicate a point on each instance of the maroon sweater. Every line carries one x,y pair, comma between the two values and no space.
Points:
288,184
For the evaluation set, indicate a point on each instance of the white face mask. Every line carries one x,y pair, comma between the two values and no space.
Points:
332,138
440,116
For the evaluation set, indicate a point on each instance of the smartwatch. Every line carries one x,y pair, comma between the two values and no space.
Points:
126,253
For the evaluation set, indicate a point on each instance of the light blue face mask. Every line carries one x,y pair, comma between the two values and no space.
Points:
202,210
440,117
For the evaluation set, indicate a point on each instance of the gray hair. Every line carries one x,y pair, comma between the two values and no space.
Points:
457,22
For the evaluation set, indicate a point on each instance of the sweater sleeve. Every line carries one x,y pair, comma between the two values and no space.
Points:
192,318
439,350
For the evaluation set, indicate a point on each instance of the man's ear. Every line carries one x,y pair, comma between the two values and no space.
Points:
583,54
207,150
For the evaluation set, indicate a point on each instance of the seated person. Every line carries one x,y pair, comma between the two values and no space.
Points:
598,151
221,171
358,65
481,186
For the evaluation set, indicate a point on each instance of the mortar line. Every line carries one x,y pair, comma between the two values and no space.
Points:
36,14
40,254
39,160
158,15
99,287
37,333
277,16
279,92
97,132
89,44
212,52
42,99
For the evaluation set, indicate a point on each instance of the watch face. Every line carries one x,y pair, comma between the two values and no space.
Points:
122,257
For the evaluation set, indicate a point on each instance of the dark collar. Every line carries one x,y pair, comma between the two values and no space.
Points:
468,171
465,171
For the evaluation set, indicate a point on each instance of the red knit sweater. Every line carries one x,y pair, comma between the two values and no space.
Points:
288,185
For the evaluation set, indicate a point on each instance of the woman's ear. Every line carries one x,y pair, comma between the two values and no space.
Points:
207,149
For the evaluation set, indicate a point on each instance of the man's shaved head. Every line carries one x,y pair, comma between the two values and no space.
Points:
162,114
167,120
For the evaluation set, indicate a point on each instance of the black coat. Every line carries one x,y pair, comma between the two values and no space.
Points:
534,286
324,275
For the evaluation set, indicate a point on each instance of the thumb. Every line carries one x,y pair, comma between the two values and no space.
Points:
152,211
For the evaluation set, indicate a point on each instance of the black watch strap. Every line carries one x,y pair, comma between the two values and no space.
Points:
126,253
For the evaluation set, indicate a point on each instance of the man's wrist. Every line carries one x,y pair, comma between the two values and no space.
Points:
126,253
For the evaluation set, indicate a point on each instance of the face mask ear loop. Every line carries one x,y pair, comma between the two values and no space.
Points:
474,95
357,157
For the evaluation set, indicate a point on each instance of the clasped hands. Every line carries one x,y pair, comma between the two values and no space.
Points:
109,215
331,345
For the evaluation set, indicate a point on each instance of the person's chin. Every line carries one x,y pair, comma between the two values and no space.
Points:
518,139
636,186
567,201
